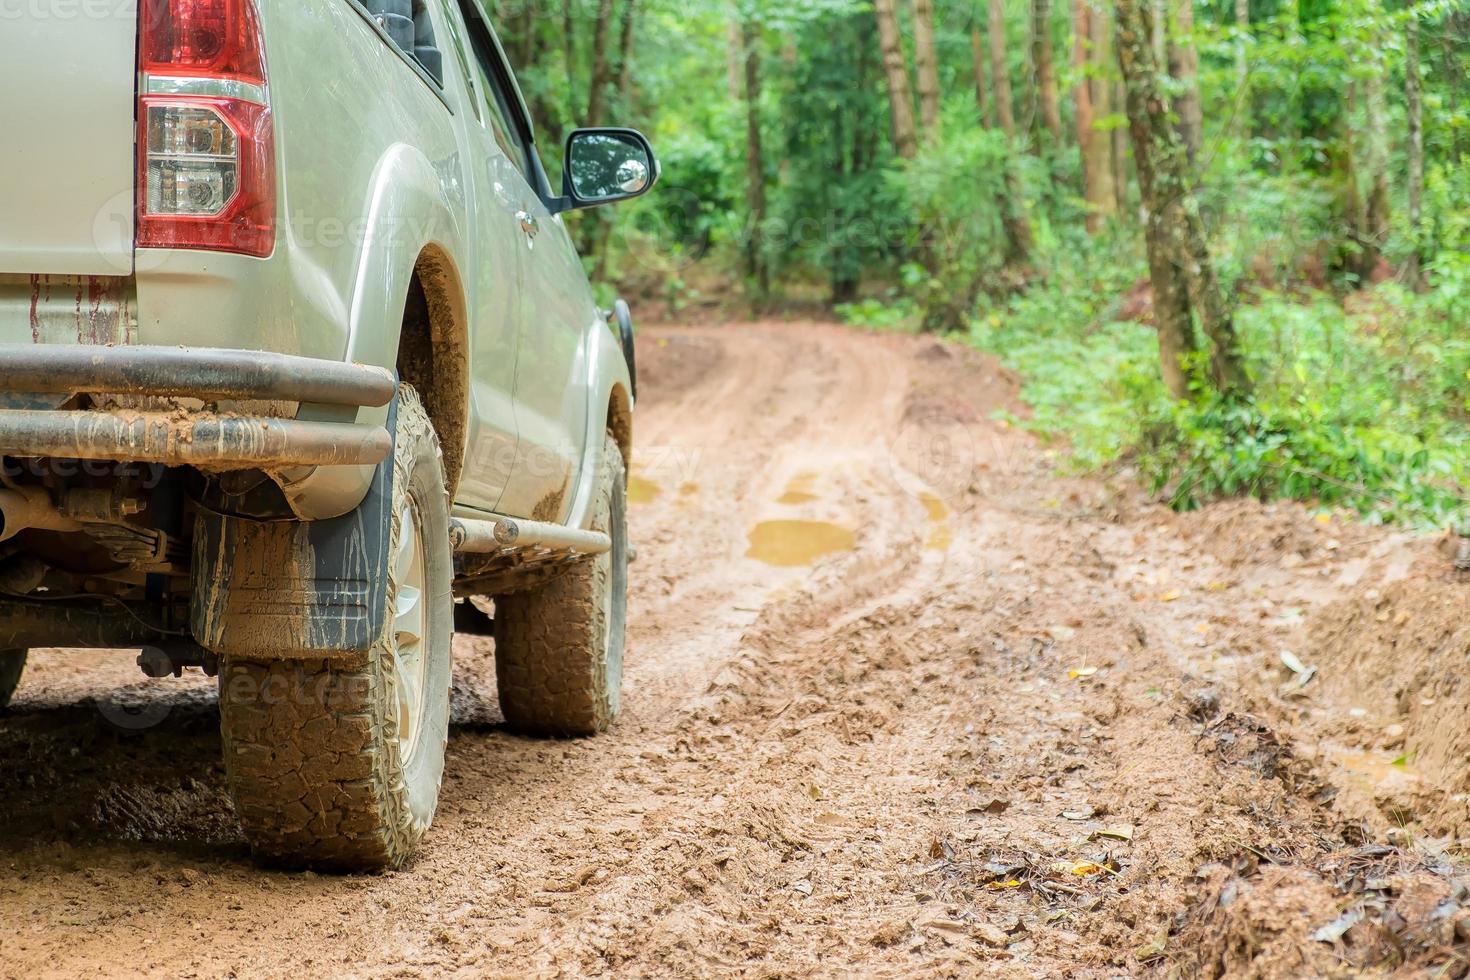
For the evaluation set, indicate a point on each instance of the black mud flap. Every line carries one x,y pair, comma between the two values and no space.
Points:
273,590
624,319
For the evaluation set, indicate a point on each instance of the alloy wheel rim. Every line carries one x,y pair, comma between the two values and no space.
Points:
410,631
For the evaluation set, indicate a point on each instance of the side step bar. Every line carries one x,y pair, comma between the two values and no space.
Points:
508,533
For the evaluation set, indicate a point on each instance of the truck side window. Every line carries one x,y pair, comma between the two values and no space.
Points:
451,17
496,99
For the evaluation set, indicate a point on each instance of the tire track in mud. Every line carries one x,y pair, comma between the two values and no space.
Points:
970,737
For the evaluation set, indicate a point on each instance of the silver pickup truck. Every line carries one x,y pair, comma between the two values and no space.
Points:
300,372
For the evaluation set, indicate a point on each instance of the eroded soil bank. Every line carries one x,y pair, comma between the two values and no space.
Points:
901,700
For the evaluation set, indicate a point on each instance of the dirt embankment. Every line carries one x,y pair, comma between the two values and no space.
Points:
901,700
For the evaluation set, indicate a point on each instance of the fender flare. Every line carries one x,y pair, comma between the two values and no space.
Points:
608,371
407,212
623,316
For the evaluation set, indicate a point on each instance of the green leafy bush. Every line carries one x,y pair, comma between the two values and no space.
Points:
1363,407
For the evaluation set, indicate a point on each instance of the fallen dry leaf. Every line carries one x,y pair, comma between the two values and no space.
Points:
1123,831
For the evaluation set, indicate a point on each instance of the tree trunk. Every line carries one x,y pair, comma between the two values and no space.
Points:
1184,67
735,59
625,54
601,67
1414,123
1000,78
1242,120
529,38
978,56
1102,197
1457,25
1120,151
926,61
569,44
1179,257
1158,35
1082,117
1044,64
900,103
1374,172
755,166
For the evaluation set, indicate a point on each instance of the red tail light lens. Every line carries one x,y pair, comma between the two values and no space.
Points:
206,152
207,175
210,38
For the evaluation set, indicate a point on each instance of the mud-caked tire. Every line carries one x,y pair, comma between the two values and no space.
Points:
337,764
12,665
559,649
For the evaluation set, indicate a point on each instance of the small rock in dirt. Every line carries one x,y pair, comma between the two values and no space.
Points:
890,933
995,805
1204,705
1338,927
991,935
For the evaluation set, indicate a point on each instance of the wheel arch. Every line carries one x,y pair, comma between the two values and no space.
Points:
620,422
433,353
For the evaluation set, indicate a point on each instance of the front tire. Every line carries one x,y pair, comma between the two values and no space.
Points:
337,764
559,649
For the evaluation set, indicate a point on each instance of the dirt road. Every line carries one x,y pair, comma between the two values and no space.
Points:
902,700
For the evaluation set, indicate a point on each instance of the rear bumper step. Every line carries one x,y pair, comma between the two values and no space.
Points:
207,440
206,373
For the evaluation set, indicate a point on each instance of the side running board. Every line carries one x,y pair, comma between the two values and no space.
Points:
513,534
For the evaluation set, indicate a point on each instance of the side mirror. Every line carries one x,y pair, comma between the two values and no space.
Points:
604,166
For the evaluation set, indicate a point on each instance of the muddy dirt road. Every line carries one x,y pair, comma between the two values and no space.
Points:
901,701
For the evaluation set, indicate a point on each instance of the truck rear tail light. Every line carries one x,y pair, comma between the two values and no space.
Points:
206,140
208,38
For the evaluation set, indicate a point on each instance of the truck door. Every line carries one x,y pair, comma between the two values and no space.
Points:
557,317
497,279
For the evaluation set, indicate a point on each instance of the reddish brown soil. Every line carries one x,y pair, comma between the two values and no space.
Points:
1025,726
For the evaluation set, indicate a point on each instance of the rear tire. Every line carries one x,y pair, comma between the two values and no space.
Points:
337,764
559,649
12,665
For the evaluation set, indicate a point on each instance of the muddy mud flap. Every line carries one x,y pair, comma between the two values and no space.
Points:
290,589
623,318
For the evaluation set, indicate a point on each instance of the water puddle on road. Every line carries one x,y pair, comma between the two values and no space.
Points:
642,490
801,490
792,544
1385,771
939,537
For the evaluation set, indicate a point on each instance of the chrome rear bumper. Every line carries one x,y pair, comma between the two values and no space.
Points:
206,439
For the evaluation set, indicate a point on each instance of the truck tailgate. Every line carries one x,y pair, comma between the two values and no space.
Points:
67,167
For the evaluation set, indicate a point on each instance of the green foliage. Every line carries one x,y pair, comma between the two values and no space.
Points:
834,208
953,189
874,314
1363,409
1360,395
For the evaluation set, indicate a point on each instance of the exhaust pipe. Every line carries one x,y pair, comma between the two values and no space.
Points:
30,507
